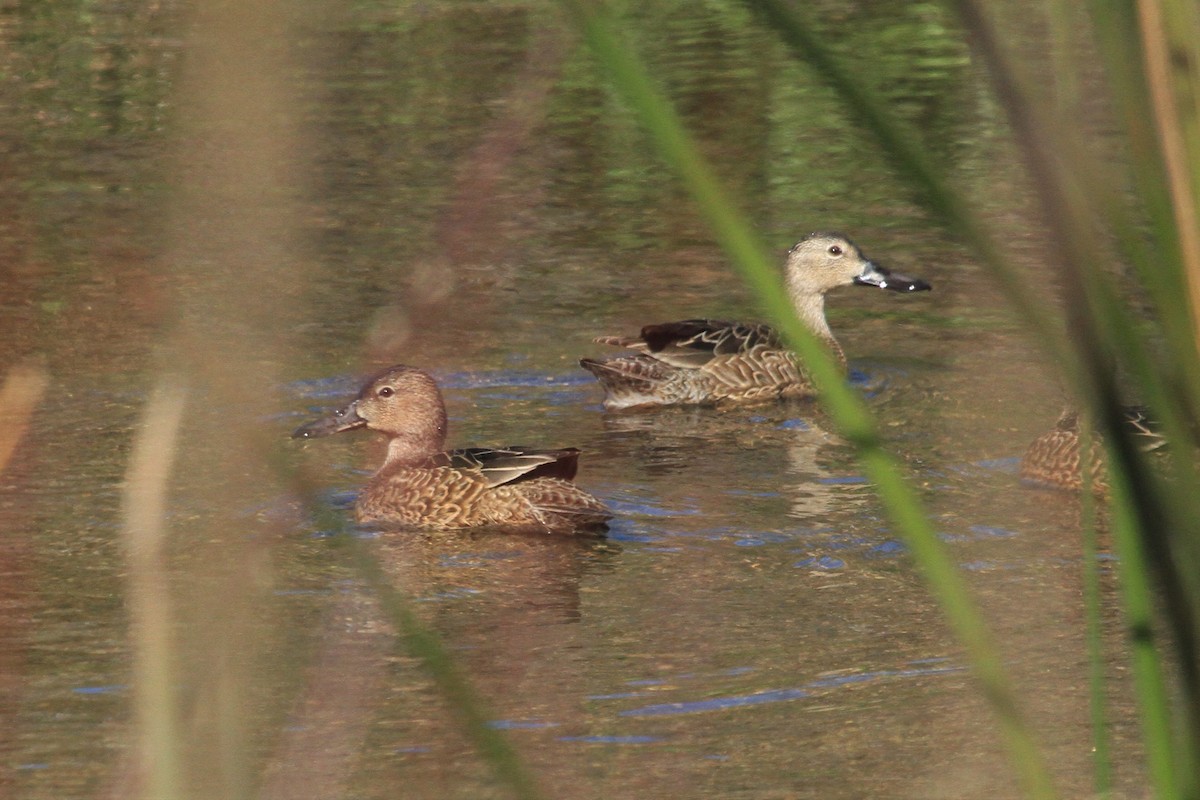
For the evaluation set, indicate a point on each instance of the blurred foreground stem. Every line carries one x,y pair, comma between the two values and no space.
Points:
159,743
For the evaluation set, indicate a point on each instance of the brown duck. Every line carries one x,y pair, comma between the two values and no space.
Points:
422,486
711,362
1053,460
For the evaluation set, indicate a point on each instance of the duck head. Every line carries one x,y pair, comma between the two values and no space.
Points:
823,261
402,402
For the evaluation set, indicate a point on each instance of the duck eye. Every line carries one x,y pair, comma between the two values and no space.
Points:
386,391
835,250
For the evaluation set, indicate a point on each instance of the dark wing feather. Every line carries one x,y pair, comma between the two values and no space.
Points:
501,465
694,342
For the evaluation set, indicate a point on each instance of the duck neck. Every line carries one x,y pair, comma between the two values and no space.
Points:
810,308
405,451
425,438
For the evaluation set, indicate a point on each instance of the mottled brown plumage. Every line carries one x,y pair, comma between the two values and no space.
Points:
422,486
710,362
1054,459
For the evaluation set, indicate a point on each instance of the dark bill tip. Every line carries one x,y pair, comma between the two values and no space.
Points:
901,283
875,275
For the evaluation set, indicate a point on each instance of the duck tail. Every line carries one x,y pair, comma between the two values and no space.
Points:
562,507
628,380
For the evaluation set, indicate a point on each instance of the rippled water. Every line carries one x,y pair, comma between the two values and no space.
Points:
471,199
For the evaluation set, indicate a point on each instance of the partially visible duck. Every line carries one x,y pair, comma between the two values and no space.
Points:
423,486
710,362
1054,459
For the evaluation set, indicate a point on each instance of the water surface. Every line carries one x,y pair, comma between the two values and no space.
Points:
465,194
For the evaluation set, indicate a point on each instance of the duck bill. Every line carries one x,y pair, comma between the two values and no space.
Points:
875,275
344,419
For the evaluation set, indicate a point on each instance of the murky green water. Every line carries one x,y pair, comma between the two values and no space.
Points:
461,192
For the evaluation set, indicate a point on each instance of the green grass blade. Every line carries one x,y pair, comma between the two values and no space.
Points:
1158,267
1147,509
736,235
918,167
1105,325
1148,678
1101,749
1067,206
1067,195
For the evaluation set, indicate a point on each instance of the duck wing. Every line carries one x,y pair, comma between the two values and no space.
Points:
501,465
692,343
1138,420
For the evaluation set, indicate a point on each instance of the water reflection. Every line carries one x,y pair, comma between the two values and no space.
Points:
524,581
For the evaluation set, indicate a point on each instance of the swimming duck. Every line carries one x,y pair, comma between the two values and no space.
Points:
1052,460
422,486
709,362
